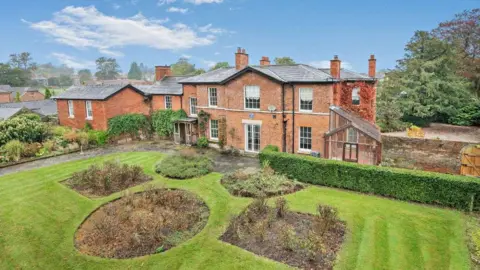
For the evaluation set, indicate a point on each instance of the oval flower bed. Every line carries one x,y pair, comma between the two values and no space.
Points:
109,178
184,165
299,240
265,183
143,223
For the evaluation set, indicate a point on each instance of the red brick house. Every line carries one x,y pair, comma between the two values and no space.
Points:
95,104
299,108
9,94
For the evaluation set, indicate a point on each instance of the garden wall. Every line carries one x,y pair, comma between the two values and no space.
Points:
425,154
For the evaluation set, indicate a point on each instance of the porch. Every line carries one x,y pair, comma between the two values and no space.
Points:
185,131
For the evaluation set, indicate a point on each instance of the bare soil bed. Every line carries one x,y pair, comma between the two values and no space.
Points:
299,240
143,223
109,178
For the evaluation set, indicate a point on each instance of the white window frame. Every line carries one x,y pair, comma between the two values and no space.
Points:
196,105
245,98
71,110
88,107
349,130
300,99
216,97
166,102
356,90
300,140
210,126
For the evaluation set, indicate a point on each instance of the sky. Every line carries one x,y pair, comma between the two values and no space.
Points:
159,32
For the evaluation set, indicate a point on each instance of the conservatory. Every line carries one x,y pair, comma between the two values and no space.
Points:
351,138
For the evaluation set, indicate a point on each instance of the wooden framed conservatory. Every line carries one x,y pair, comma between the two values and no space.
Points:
351,138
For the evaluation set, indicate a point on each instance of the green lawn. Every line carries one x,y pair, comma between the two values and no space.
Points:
39,216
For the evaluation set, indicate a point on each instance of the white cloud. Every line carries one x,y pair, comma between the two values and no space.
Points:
217,53
209,63
326,64
176,9
186,56
116,6
209,29
86,27
165,2
199,2
72,61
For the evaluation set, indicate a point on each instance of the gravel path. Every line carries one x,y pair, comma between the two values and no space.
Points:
223,163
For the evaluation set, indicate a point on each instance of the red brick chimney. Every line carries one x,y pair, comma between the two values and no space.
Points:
162,71
335,64
372,66
265,61
241,59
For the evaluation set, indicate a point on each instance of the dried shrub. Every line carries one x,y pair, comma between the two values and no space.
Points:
326,219
14,150
107,179
30,149
143,223
281,207
415,132
70,136
183,165
264,183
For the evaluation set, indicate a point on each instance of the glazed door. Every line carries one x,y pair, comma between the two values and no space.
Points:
252,138
350,152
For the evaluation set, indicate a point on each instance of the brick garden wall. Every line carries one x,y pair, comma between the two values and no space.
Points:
426,154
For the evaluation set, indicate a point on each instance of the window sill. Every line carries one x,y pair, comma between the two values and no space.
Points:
304,151
303,111
89,118
71,117
214,139
248,109
209,106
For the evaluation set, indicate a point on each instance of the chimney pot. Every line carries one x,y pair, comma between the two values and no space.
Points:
162,71
372,66
265,61
241,59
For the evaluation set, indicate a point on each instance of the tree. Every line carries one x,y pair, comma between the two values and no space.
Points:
284,61
13,76
134,73
199,71
48,94
17,97
53,81
107,68
22,61
183,67
65,80
84,75
463,32
220,65
425,85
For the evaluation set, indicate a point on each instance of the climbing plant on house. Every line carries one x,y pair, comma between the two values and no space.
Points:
202,121
222,132
367,95
162,121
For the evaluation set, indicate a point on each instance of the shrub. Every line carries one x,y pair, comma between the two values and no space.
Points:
70,136
97,137
467,116
109,178
129,124
184,165
326,219
82,139
264,183
419,186
49,145
162,121
270,147
281,207
202,142
14,150
87,127
30,116
415,132
22,129
59,131
30,149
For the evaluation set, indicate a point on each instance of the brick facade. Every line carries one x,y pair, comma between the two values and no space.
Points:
5,97
125,101
158,102
31,96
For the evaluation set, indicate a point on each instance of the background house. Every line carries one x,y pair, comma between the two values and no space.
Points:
9,94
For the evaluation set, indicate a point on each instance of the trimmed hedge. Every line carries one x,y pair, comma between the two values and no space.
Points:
418,186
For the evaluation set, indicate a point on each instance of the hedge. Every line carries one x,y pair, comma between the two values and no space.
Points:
459,192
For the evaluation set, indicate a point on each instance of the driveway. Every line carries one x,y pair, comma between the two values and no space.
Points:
223,163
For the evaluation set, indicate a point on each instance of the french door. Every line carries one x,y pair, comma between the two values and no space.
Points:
350,152
252,138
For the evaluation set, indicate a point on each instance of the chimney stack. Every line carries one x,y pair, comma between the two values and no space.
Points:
162,71
265,61
335,64
241,59
372,66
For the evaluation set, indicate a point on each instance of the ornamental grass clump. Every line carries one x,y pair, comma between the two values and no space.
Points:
183,165
109,178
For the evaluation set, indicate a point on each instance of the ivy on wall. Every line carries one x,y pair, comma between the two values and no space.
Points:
367,96
222,132
202,121
162,121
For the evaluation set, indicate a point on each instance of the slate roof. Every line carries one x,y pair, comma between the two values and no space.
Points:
5,88
282,73
6,113
167,86
45,107
349,75
358,123
13,90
